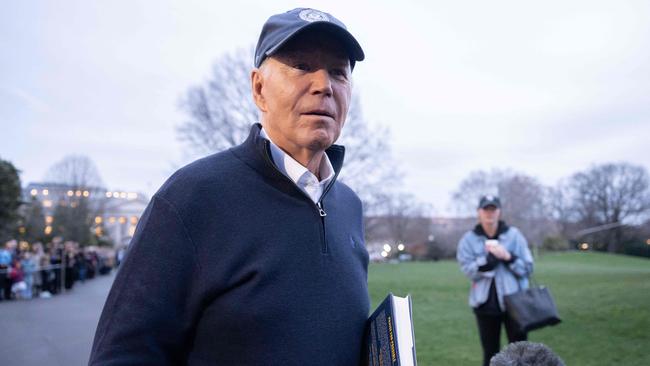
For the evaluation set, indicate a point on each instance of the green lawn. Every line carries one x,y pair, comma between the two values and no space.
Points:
603,299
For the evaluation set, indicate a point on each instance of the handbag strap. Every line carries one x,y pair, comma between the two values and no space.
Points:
531,279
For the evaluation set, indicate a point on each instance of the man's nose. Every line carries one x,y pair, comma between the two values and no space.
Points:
321,82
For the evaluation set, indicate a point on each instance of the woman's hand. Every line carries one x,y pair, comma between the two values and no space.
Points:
498,251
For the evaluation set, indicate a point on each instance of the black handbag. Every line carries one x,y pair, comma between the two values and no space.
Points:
532,308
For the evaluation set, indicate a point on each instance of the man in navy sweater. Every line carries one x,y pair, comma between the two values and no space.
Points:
255,255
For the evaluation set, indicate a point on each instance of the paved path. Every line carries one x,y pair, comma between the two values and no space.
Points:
57,331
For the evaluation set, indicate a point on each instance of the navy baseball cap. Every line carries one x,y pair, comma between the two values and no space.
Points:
281,28
489,201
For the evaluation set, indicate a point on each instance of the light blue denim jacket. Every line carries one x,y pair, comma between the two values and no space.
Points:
5,257
509,278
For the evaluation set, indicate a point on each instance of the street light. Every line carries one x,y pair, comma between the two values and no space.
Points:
387,248
400,247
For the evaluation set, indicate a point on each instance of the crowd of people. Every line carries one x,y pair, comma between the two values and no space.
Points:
45,269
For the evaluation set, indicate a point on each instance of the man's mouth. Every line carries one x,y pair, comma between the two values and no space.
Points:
320,112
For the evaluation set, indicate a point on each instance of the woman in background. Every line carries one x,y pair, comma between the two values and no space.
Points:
496,258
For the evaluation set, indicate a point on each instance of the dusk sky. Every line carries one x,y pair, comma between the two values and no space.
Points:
546,88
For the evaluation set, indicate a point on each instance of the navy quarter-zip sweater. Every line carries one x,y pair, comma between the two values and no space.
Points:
232,264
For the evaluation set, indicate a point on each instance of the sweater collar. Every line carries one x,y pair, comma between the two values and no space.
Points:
256,153
293,169
502,228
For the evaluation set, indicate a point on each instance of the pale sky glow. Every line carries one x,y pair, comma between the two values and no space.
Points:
546,88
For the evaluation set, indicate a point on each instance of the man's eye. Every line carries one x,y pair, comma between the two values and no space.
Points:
339,73
301,66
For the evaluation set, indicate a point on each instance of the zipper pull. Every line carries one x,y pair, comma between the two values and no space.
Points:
320,210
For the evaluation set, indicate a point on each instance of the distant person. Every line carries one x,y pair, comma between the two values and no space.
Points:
497,260
6,258
119,256
30,270
81,265
37,257
69,265
47,275
17,277
526,354
56,263
255,255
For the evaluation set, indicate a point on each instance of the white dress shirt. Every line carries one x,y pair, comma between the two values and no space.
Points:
300,175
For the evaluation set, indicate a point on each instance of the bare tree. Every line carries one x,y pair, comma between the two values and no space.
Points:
476,185
369,166
33,221
562,209
73,215
608,194
446,233
76,172
402,219
523,200
221,111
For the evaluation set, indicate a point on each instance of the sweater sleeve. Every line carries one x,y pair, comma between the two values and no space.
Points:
153,305
470,263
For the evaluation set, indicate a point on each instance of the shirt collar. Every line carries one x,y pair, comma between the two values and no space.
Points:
293,169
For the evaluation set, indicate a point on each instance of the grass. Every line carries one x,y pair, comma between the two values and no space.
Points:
603,299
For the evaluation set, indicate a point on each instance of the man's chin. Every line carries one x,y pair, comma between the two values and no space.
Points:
320,144
320,140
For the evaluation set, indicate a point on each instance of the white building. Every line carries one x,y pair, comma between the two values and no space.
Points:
121,215
120,210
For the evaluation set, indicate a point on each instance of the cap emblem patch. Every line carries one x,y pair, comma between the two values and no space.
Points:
311,15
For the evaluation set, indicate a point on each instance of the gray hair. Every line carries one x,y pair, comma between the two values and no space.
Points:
526,354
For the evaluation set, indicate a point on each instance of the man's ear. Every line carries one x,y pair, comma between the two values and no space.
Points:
257,84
